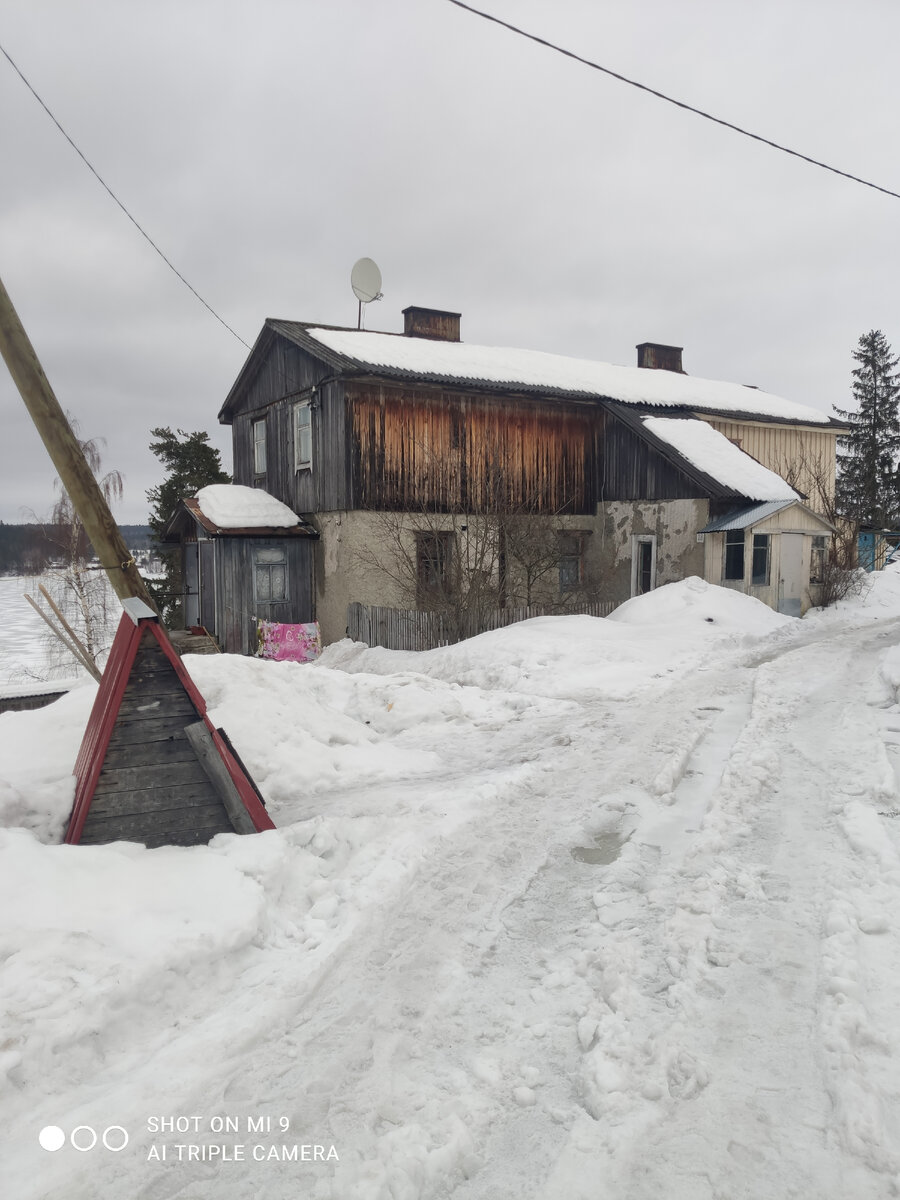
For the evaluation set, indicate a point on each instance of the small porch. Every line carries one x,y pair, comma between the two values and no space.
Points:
775,551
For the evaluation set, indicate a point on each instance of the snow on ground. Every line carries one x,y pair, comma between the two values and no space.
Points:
579,908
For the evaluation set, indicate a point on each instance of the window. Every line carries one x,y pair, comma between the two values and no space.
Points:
303,436
643,563
270,576
759,571
817,561
734,554
434,566
571,561
259,447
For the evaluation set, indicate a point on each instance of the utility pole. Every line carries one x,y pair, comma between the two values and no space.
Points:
68,458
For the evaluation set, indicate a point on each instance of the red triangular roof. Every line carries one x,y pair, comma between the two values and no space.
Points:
105,711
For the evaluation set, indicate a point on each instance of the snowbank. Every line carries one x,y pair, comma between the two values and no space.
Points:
578,899
692,606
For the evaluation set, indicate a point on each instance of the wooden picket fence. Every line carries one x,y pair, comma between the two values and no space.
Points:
412,629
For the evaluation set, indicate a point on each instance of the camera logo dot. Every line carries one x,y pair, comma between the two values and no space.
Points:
83,1138
52,1138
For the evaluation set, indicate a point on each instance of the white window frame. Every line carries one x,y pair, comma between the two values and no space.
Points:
266,560
301,463
638,539
259,442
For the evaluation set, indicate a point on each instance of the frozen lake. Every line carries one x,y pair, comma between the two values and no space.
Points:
26,654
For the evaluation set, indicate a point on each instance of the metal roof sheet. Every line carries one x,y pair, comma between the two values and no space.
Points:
745,517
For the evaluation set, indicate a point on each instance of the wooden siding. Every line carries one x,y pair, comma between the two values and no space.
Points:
324,487
236,607
151,788
284,370
785,449
633,470
420,447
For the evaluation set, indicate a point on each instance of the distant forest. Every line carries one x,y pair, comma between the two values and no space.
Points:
30,549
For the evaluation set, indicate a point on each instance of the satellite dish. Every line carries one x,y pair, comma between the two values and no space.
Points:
365,279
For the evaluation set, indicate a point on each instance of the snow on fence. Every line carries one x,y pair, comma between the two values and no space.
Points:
412,629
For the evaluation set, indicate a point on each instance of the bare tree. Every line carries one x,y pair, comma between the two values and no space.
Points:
465,566
834,572
80,588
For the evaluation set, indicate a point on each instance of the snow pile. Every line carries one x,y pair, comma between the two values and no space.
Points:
576,900
535,368
713,453
642,644
232,506
37,755
691,605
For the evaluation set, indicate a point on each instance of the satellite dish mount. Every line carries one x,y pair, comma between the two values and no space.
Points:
365,279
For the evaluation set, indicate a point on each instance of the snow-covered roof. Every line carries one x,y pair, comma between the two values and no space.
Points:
712,452
232,506
536,370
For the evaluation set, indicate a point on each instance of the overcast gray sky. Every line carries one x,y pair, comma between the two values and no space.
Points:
266,147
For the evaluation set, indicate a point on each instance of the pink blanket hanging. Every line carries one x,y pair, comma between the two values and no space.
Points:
289,643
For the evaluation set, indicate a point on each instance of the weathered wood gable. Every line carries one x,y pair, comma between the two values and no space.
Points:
283,376
636,467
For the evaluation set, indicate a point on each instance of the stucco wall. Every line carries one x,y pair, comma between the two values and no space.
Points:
356,556
345,571
674,524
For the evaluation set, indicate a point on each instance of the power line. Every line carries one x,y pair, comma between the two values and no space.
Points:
108,189
670,100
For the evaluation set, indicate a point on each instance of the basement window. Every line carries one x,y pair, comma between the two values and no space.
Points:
759,572
734,554
270,575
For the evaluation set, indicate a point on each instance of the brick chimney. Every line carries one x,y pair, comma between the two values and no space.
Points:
660,358
431,323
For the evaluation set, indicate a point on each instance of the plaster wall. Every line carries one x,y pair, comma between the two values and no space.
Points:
674,525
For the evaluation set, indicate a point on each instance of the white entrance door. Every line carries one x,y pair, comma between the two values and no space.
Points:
791,583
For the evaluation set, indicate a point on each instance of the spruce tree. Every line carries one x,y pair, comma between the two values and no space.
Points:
868,454
191,463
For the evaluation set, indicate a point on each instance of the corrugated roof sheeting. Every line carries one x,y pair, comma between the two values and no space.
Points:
745,517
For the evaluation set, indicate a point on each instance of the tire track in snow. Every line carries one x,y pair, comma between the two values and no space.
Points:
795,1101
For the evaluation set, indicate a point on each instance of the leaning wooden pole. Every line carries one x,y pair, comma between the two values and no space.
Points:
68,458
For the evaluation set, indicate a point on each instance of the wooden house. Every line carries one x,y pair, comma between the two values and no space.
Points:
243,562
420,433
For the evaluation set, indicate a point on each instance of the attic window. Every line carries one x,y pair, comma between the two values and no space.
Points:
303,436
259,447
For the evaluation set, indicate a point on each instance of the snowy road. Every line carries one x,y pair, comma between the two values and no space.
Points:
575,910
